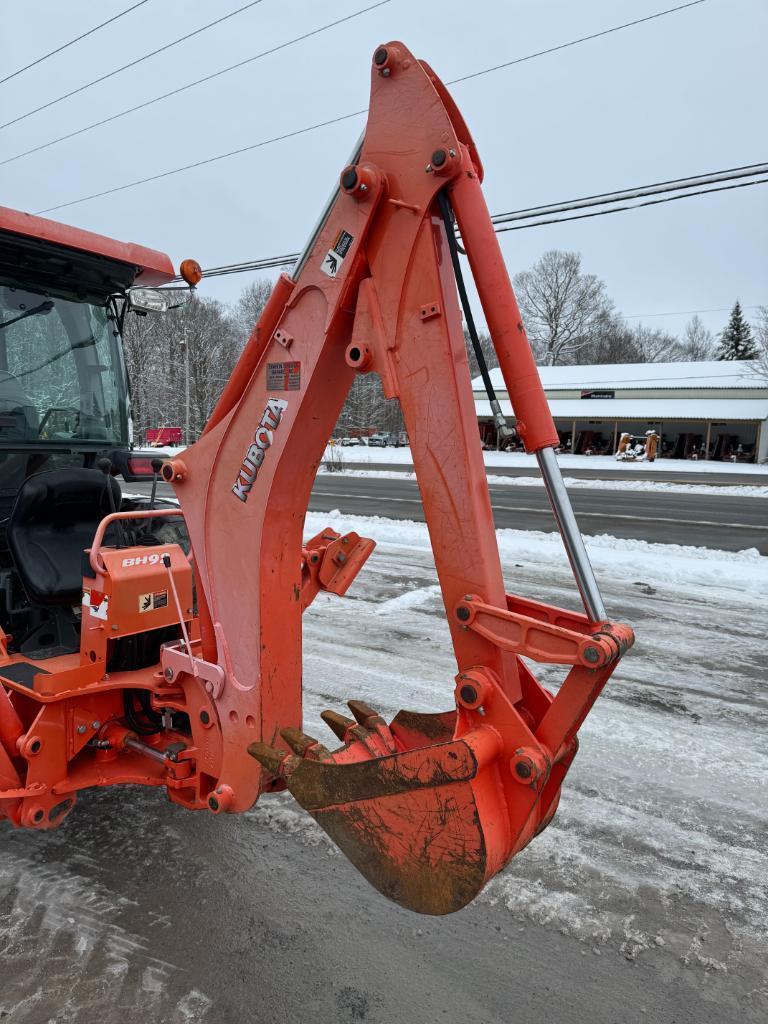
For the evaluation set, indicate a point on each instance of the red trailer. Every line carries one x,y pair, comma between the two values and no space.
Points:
159,436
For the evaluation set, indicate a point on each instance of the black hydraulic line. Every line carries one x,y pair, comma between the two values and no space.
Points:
151,724
446,212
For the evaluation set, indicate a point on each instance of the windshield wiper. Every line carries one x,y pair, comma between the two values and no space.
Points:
44,308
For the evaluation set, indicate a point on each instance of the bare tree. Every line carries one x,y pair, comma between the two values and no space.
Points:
249,305
213,351
655,345
613,341
367,409
697,342
157,368
486,347
760,329
562,307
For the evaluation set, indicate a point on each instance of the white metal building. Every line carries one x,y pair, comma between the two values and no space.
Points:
706,410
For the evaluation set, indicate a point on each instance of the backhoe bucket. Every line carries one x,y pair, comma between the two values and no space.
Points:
420,814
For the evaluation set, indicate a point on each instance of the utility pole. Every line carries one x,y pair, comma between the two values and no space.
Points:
187,438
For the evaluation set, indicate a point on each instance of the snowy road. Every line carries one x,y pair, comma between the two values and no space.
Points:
645,900
709,521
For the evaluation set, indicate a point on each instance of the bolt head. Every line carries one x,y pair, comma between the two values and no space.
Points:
386,73
349,178
169,673
462,613
439,157
523,770
468,693
380,57
95,724
592,654
81,729
205,717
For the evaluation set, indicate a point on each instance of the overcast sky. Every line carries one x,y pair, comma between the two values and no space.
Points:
681,95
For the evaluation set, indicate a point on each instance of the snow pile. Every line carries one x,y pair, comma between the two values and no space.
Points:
737,572
604,463
614,484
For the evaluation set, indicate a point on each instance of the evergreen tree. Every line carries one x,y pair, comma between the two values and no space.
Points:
736,341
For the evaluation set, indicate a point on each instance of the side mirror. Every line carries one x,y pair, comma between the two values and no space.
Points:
157,300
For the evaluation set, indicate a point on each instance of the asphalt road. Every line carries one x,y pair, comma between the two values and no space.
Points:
714,521
711,521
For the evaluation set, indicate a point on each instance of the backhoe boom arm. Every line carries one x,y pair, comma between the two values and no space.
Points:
431,807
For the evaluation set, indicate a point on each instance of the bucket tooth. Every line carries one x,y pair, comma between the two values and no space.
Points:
362,712
303,745
375,732
338,724
275,762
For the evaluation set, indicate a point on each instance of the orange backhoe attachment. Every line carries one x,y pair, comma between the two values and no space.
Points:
430,806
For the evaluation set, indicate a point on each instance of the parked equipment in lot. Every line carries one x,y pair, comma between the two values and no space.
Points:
378,440
132,675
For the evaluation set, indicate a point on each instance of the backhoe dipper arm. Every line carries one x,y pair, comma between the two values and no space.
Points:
430,807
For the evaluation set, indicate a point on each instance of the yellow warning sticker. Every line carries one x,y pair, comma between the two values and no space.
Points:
151,602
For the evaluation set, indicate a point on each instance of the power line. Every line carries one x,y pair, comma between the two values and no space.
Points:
575,42
132,64
198,81
680,312
278,261
636,192
477,74
209,160
342,117
72,41
634,206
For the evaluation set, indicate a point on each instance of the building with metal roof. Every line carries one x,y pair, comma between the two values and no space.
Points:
703,410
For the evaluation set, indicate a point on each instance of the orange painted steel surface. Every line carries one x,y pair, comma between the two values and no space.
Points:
428,807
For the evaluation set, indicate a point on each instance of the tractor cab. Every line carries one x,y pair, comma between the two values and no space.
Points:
65,426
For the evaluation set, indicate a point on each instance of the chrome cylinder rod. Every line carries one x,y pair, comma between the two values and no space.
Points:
144,748
569,531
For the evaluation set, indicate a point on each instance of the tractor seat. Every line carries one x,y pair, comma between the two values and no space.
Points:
53,520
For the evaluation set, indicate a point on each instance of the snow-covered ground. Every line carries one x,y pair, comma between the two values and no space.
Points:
604,463
660,840
137,911
616,483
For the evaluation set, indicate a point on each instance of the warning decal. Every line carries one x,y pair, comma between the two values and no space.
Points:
151,602
98,604
283,376
332,262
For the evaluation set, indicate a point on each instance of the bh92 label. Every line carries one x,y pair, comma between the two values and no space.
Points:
262,441
153,559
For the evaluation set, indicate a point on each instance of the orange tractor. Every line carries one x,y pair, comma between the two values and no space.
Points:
160,644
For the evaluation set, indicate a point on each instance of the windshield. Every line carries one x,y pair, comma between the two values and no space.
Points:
61,373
